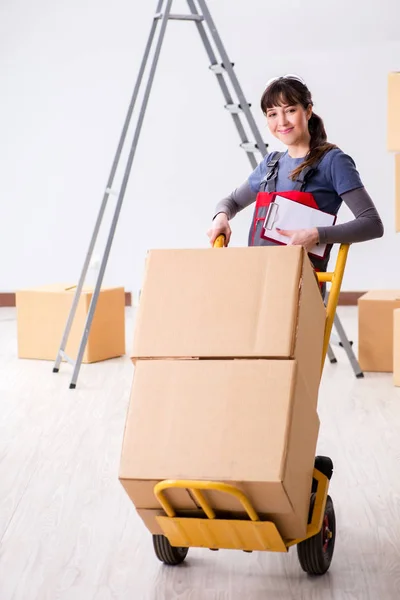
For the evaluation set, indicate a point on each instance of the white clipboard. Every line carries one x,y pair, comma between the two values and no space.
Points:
288,214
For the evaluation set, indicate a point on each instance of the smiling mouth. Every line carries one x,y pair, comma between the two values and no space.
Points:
286,130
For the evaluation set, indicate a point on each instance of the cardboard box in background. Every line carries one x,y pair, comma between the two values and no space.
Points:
232,303
397,191
252,423
393,112
375,330
396,347
42,315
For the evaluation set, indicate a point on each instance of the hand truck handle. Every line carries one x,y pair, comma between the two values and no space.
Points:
219,241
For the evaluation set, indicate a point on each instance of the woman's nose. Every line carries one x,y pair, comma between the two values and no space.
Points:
282,120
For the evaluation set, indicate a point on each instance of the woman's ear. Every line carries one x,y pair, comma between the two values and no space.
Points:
309,112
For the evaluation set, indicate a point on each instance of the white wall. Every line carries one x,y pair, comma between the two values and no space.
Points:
67,71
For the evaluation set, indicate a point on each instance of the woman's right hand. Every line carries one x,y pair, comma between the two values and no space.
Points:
220,226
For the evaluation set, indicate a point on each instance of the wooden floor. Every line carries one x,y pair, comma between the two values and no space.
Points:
68,531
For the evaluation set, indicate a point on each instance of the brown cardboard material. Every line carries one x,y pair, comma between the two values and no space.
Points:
42,315
231,303
149,518
396,347
375,330
393,114
251,423
397,192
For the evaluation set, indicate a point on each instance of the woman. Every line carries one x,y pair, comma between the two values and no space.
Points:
310,164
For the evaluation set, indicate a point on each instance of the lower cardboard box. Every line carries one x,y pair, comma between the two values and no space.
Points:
250,423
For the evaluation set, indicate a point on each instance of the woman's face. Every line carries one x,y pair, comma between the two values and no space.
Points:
289,124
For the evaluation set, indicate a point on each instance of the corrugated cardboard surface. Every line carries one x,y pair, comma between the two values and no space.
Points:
251,422
42,315
393,115
310,329
231,302
375,330
397,192
396,347
149,519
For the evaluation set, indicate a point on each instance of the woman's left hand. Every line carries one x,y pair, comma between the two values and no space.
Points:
301,237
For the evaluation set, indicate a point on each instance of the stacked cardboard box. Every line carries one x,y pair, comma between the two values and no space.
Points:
227,352
396,347
393,135
376,328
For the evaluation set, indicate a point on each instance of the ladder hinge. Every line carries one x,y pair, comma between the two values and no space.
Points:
249,147
219,69
235,108
111,192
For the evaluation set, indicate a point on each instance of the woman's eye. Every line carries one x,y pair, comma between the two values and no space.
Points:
271,114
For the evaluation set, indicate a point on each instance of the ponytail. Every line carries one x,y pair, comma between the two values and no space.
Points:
318,144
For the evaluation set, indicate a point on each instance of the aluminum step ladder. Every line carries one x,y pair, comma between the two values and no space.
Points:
235,104
346,344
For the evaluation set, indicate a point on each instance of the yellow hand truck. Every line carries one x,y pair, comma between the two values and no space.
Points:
314,551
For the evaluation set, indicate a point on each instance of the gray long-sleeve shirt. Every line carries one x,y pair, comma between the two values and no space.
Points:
366,224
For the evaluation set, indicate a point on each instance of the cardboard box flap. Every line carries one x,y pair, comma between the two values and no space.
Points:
50,287
384,295
64,287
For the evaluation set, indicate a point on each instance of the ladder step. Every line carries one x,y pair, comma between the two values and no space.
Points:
249,147
174,17
219,69
235,108
111,192
67,358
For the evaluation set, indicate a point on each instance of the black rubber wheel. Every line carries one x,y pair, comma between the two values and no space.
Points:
325,465
166,553
315,554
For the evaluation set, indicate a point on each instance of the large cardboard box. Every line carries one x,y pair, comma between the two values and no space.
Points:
393,112
42,315
396,347
258,302
252,423
375,329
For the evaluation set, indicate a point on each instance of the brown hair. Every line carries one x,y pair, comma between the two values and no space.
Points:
291,91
